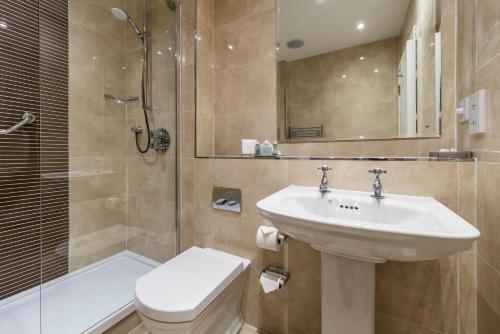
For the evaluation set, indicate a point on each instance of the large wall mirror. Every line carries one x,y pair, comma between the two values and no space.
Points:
348,70
307,71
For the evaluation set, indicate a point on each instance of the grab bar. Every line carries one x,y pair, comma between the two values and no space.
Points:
28,118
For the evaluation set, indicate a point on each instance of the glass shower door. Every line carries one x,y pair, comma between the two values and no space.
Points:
109,209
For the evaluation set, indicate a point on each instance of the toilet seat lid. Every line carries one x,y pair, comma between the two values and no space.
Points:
180,289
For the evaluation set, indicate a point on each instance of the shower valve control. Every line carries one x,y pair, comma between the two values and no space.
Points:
160,140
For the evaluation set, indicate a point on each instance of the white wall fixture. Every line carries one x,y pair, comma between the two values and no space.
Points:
477,112
463,110
407,90
354,231
438,78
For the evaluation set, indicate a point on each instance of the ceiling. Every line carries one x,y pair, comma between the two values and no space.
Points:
328,25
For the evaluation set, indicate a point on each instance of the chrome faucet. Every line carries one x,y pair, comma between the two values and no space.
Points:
377,184
323,186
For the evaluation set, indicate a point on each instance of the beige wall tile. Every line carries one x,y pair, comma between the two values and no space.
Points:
387,324
488,30
205,12
227,11
488,298
304,288
205,45
467,191
466,29
488,213
252,39
467,293
423,293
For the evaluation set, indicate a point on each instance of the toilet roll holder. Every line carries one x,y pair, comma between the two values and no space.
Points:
277,272
281,238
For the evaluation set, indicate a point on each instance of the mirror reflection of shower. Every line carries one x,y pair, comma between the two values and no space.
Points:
159,139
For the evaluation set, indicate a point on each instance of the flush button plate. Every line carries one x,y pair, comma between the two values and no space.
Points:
227,199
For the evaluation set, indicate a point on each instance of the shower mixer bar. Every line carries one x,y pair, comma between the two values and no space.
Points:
28,118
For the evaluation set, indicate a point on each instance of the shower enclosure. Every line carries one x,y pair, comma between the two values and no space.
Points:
89,180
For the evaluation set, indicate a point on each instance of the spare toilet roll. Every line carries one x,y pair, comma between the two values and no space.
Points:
269,282
268,238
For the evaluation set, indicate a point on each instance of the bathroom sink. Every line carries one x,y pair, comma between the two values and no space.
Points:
354,231
355,225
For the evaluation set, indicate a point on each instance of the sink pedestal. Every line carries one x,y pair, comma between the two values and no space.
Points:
347,296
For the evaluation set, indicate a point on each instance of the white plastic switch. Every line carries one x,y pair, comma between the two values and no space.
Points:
463,110
477,112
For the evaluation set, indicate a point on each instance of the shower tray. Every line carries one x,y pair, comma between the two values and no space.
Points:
89,300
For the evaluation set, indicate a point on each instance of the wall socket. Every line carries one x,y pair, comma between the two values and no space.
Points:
477,112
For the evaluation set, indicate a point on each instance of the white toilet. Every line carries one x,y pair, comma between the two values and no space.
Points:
198,291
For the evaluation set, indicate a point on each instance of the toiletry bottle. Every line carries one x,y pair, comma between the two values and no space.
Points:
266,148
257,148
275,148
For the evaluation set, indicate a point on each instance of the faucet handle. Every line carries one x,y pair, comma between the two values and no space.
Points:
377,171
325,169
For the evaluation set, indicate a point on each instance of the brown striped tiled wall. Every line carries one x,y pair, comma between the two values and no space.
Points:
33,160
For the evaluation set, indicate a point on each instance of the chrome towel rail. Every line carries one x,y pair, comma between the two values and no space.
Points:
28,118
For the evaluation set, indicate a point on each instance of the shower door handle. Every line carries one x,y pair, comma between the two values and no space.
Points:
28,118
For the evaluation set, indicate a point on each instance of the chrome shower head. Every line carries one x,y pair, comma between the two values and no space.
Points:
122,15
119,13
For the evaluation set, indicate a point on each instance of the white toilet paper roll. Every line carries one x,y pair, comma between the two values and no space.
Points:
268,238
270,282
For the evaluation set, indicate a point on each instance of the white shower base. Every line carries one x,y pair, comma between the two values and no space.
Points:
89,300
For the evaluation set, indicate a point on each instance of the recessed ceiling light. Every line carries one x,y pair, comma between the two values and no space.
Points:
3,25
360,26
159,53
344,76
361,58
375,70
230,46
295,43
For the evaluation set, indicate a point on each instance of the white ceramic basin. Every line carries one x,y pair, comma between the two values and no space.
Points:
355,225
